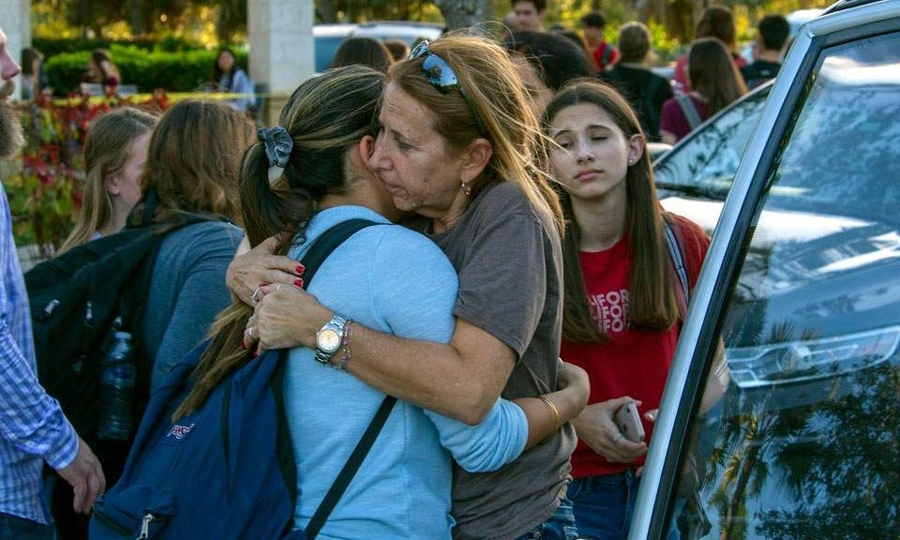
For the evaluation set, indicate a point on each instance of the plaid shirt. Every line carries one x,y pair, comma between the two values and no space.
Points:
32,426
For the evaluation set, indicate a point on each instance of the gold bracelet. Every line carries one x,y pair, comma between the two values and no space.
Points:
553,410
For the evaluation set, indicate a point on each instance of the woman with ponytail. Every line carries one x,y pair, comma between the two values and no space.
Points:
385,277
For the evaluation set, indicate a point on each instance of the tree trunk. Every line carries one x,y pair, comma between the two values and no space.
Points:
464,13
136,18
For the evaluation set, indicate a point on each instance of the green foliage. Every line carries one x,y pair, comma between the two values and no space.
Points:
169,42
173,71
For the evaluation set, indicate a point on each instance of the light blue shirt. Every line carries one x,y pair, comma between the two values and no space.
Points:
32,426
397,281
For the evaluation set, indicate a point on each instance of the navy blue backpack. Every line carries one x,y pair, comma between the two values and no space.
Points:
226,470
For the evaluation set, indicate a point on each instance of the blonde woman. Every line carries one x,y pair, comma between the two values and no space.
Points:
114,158
457,145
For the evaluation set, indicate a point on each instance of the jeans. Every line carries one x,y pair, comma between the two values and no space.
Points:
17,528
560,526
603,504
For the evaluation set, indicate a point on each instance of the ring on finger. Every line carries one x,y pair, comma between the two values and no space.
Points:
250,331
256,296
278,287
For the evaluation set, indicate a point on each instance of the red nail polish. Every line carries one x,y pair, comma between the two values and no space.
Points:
255,354
300,268
298,283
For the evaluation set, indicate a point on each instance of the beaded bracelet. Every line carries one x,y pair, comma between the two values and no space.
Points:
345,346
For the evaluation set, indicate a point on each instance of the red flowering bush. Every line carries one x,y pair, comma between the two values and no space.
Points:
45,195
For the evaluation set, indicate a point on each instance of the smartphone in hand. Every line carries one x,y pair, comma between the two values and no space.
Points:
628,420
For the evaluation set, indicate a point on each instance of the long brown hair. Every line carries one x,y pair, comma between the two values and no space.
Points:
653,303
326,116
714,75
193,161
106,151
498,102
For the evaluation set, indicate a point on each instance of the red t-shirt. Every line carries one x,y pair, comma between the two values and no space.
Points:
607,50
632,363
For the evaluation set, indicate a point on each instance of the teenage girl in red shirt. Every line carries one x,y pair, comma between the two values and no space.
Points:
623,304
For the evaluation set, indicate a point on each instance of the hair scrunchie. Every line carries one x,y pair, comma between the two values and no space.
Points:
278,144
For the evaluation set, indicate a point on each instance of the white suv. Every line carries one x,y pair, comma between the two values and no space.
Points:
328,37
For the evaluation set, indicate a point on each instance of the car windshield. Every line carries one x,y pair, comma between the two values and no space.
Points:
704,165
805,442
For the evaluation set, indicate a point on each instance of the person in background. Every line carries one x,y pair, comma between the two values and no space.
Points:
623,303
645,90
192,166
578,40
102,71
716,82
772,35
365,51
716,21
399,49
604,54
530,14
34,79
460,146
232,79
33,429
114,156
546,61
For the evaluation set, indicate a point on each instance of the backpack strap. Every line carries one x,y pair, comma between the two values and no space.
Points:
350,468
689,109
676,254
607,54
312,259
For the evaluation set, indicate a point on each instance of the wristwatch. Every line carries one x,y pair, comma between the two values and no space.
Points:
329,338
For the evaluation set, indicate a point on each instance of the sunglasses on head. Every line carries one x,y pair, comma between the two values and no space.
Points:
441,76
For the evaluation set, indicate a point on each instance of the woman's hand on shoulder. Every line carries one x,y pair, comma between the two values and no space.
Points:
260,266
595,426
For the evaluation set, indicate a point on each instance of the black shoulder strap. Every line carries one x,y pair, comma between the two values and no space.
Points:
350,468
311,261
328,242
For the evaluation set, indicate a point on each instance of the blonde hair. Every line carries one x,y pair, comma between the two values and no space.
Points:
106,151
496,101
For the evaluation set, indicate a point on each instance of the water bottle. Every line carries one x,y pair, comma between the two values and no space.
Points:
118,375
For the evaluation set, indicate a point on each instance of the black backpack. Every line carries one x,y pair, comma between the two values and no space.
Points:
75,299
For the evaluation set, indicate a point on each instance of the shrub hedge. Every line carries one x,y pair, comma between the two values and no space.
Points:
169,42
179,71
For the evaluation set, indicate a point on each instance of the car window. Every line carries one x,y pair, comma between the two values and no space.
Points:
704,165
326,46
805,442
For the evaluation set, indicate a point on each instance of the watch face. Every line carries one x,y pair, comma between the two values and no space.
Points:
328,340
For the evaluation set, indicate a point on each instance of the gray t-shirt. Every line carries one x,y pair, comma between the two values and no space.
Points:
187,291
509,261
